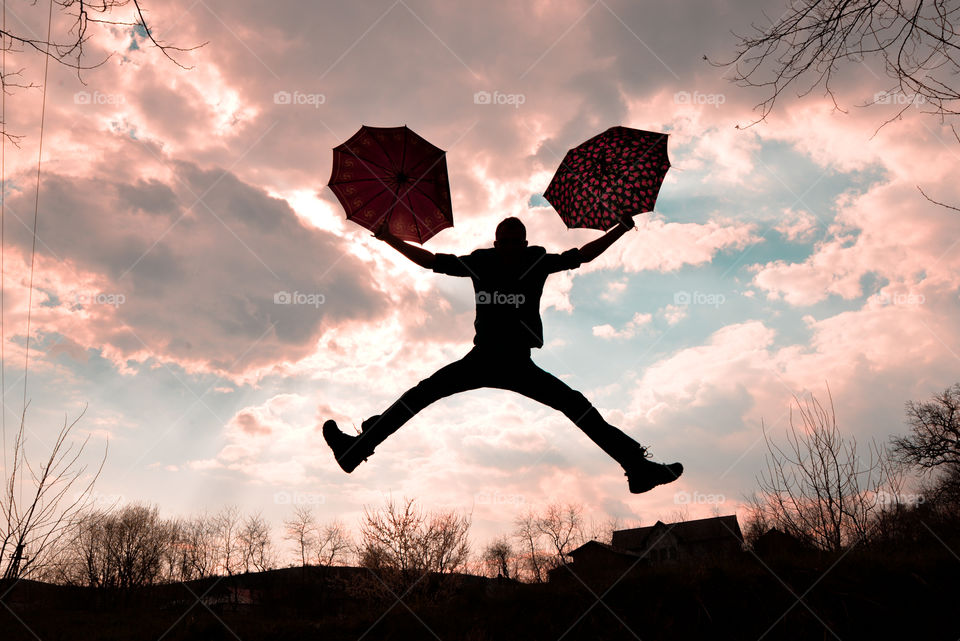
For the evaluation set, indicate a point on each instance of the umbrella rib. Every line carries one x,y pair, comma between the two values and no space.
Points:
416,225
386,154
425,159
366,202
423,176
387,187
354,180
396,189
398,201
428,197
366,161
397,198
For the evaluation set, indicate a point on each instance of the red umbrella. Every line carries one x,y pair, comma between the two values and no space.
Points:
392,173
617,172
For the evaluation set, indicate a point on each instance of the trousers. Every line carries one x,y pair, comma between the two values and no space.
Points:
512,370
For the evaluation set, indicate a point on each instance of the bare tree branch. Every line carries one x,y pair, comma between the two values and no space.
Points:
808,43
67,48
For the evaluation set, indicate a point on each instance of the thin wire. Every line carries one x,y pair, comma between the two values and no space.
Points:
36,207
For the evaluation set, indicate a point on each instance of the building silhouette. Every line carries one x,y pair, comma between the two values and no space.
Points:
707,541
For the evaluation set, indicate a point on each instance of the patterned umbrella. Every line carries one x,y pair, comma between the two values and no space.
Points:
617,172
392,173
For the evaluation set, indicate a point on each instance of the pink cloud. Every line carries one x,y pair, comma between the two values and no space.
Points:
797,226
665,246
167,273
903,248
635,324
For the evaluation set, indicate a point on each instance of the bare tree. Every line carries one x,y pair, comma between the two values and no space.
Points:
562,526
500,559
67,48
118,548
402,537
333,544
138,539
38,504
253,538
546,538
934,442
226,527
604,530
176,556
446,546
300,530
328,544
534,557
132,546
200,547
756,523
806,46
818,487
390,536
411,552
809,43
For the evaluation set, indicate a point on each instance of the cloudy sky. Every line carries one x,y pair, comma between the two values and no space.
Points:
175,203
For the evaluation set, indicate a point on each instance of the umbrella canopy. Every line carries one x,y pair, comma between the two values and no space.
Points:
392,174
614,173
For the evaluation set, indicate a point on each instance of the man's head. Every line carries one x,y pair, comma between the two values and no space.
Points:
511,235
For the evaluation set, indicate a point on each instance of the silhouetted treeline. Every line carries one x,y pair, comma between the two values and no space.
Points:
131,546
834,543
829,493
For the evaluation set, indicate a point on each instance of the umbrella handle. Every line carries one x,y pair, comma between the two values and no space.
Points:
627,221
382,230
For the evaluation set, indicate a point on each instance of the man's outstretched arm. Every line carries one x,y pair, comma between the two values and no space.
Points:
596,247
420,256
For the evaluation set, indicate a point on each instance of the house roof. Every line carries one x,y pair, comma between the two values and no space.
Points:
602,546
709,529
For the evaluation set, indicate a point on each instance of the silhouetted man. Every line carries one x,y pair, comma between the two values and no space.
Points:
508,281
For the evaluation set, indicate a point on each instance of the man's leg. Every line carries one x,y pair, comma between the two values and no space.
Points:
542,386
459,376
465,374
535,383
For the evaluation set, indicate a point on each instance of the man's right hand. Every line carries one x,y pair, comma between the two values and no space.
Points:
418,255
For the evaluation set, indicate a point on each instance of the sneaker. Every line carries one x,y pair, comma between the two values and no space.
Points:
646,475
349,451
